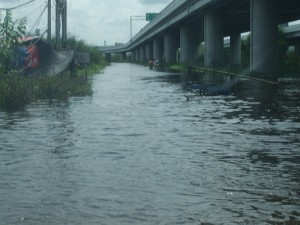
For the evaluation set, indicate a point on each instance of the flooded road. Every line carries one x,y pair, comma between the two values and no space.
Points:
142,150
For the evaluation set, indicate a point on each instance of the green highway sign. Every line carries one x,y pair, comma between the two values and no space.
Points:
150,16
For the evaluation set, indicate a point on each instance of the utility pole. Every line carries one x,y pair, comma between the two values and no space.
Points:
57,24
135,18
64,23
49,22
6,37
61,23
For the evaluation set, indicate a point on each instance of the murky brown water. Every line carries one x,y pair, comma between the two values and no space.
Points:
137,152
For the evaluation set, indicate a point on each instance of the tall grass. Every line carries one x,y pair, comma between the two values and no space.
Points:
18,91
15,92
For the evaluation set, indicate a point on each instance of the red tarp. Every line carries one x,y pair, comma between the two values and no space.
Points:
35,56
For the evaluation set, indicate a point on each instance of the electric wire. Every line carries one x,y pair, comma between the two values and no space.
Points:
19,6
38,20
33,11
25,7
37,23
32,3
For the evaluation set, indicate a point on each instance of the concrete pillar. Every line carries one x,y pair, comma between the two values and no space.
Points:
264,36
170,48
297,48
214,40
235,50
142,54
158,48
123,56
137,55
132,56
188,45
149,51
108,57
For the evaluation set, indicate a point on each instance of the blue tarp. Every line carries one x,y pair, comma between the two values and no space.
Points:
35,56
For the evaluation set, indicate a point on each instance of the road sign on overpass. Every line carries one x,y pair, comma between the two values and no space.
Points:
150,16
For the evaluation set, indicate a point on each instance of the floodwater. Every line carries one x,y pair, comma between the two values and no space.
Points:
144,151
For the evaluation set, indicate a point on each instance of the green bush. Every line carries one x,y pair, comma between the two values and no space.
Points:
10,31
15,92
18,91
291,64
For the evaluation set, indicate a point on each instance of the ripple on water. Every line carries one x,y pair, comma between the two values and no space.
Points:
139,151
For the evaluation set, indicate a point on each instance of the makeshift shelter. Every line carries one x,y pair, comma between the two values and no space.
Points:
35,56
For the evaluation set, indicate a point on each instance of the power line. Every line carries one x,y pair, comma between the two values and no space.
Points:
34,10
39,19
19,6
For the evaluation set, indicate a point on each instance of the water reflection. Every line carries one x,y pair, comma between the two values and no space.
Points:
269,116
138,153
60,131
263,157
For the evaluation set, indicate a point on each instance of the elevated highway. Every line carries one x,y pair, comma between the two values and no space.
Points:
185,24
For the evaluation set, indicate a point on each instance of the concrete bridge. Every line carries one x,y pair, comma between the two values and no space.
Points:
185,24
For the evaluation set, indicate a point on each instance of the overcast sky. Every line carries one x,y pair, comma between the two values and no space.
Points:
95,21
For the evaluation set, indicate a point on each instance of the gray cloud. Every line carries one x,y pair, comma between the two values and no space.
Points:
155,1
11,3
93,21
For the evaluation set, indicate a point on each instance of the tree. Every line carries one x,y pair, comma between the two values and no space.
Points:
81,46
10,31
